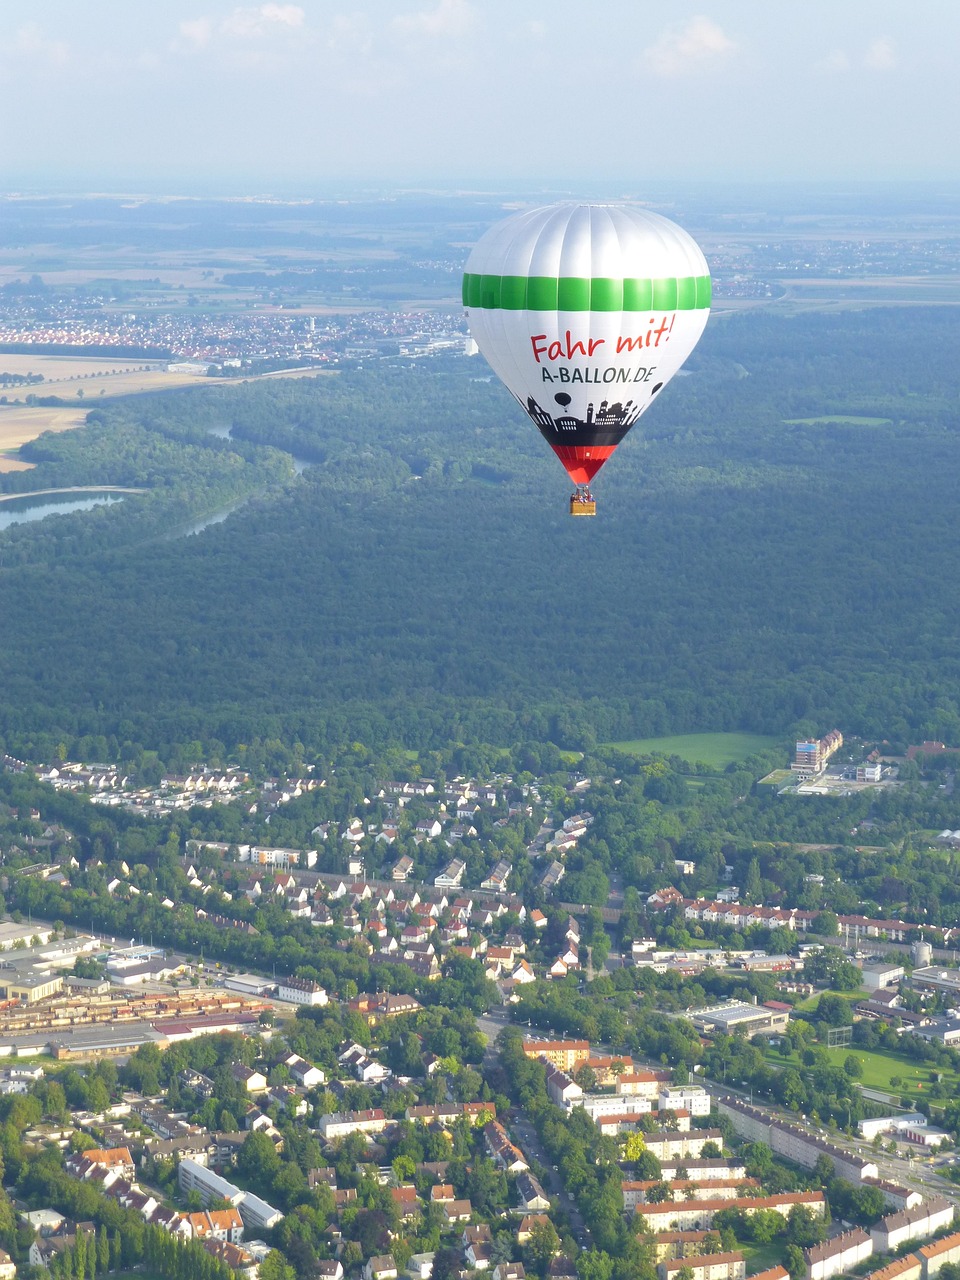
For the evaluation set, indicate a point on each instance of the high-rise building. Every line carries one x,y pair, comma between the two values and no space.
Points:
812,756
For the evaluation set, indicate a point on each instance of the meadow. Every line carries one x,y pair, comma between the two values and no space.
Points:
714,749
878,1070
833,419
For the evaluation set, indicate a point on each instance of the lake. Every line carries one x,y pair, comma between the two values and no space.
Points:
25,510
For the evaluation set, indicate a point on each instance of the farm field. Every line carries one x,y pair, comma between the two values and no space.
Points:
715,749
20,423
67,368
64,376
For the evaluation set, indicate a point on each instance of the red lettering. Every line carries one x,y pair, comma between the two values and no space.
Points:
627,344
664,328
576,348
571,347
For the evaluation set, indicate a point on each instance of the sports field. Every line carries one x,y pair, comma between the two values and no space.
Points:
878,1070
715,749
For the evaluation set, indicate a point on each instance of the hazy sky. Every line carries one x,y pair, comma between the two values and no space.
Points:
116,94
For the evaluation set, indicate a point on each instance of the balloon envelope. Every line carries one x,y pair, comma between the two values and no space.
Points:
585,312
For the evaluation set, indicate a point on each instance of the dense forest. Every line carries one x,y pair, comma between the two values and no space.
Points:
776,549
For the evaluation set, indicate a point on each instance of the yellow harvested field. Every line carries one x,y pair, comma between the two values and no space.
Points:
20,423
64,376
56,368
99,379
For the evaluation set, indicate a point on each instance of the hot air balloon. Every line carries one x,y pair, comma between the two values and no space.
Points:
585,312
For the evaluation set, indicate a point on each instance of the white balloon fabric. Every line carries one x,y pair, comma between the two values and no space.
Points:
585,312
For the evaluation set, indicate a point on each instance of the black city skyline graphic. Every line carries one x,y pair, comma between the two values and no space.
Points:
603,425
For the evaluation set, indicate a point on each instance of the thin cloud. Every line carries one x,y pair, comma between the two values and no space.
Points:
244,23
836,61
450,18
880,55
692,46
251,23
197,31
351,34
30,42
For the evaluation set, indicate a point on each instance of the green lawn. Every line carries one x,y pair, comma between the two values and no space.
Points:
715,749
760,1257
877,1070
838,417
811,1002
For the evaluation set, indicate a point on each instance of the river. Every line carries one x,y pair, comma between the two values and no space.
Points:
223,432
226,433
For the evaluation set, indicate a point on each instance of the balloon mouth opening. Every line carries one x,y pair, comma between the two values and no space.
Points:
582,464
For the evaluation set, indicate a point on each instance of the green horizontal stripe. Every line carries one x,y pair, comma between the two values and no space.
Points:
578,293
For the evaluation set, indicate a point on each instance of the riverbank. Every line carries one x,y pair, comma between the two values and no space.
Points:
74,488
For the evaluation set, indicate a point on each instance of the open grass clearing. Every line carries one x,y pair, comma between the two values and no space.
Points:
830,418
878,1069
873,289
811,1002
761,1257
714,749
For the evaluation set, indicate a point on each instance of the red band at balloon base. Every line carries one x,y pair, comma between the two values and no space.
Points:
582,462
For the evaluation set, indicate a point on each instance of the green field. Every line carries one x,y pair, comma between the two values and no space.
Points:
838,417
760,1257
877,1070
811,1002
715,749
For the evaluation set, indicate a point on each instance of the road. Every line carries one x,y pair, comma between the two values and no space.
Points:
903,1171
529,1142
525,1135
490,1025
896,1169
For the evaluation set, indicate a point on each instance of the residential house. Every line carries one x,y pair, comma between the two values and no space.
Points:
251,1080
531,1194
382,1267
451,875
528,1223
